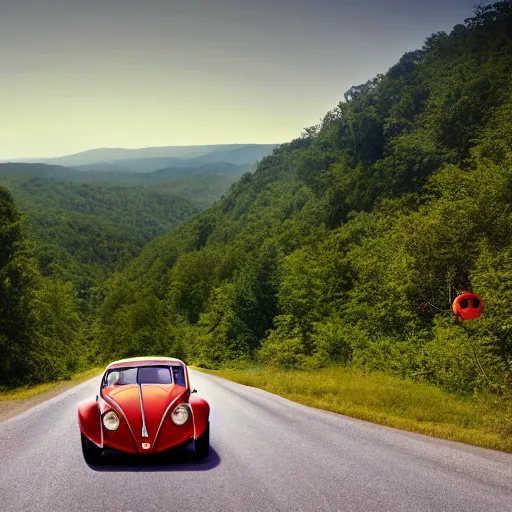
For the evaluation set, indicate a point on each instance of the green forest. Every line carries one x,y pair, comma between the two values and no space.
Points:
325,255
70,238
85,231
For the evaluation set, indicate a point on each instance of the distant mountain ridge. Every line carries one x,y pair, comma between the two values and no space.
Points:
154,158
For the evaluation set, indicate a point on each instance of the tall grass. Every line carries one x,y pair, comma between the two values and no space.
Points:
484,421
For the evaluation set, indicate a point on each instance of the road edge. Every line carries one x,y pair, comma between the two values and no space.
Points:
455,434
12,407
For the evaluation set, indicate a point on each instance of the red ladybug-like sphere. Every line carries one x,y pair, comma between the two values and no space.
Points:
468,306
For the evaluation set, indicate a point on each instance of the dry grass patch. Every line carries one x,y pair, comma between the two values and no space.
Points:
413,406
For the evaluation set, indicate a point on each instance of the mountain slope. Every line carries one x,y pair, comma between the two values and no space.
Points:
21,171
241,156
89,230
201,185
245,155
400,197
41,331
131,165
107,156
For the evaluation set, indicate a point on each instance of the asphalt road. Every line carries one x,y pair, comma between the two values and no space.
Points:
268,454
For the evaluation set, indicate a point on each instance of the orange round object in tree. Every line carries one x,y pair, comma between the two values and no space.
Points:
468,306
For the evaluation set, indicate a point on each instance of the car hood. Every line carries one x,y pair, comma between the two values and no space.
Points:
155,400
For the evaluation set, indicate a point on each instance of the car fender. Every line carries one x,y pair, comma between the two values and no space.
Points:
200,414
89,419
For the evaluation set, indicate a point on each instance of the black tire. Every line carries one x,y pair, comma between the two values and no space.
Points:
202,444
91,452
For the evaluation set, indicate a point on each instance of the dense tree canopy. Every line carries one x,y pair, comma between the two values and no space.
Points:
40,328
88,230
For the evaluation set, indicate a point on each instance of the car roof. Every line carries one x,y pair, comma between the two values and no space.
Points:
143,361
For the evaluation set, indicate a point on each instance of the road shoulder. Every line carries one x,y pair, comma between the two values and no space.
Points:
12,407
387,400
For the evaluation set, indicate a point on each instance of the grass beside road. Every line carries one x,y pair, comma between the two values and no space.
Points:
483,421
31,391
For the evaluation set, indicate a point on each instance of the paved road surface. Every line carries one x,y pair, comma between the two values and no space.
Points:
268,454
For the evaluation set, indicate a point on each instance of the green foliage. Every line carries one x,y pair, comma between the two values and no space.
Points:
40,328
221,334
87,231
285,346
52,264
18,276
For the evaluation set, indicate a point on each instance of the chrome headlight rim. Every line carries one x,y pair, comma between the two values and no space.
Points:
181,414
111,421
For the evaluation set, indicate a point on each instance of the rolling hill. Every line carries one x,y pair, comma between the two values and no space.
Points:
152,159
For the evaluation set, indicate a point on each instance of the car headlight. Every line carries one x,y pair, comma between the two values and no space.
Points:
180,415
111,421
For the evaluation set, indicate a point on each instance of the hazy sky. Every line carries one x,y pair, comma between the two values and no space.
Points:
80,74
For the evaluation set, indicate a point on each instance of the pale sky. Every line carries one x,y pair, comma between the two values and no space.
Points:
81,74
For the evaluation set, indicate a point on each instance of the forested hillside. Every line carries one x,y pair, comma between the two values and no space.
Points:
85,231
163,177
72,230
199,184
42,335
92,223
327,253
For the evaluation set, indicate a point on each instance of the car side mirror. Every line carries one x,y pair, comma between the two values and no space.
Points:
194,390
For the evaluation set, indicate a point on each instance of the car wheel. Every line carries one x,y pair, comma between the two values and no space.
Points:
202,444
91,452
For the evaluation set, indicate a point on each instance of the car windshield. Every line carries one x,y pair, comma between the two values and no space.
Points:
145,375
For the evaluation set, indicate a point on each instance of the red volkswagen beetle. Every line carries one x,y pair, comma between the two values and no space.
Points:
145,405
